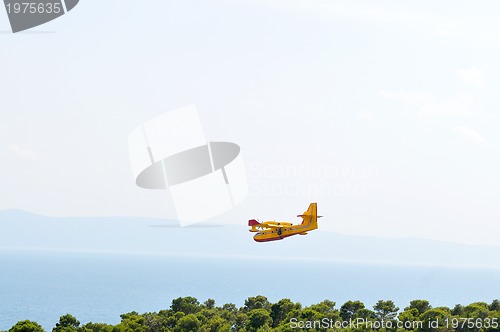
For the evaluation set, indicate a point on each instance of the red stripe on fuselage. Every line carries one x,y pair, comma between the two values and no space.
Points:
273,238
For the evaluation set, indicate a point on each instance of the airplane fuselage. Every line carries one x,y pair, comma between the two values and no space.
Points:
278,230
281,233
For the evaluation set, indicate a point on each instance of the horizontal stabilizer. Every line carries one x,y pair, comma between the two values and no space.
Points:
306,215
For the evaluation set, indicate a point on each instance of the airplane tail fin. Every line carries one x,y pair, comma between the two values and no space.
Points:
253,222
310,217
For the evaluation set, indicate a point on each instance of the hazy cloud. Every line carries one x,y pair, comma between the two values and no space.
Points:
473,75
365,115
439,24
470,135
429,106
24,153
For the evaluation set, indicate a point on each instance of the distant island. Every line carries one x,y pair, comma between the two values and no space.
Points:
259,315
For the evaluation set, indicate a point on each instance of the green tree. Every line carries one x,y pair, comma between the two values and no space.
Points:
409,315
240,322
187,305
257,302
438,315
96,327
327,310
210,303
230,307
457,310
495,305
66,323
216,324
476,310
365,313
385,310
205,314
131,322
308,314
349,309
258,318
129,315
421,306
26,326
228,312
188,323
324,307
155,322
281,309
173,318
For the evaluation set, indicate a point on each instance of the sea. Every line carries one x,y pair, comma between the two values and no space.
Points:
98,287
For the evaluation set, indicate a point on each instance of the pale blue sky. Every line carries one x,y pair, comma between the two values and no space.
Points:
384,113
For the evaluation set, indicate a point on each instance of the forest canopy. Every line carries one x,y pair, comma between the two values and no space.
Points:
258,314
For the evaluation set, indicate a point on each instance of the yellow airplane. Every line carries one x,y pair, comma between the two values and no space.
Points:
278,230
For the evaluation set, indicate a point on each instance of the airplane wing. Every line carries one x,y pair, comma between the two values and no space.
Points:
255,224
264,225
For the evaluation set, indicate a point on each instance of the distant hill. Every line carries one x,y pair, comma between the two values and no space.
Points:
24,230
